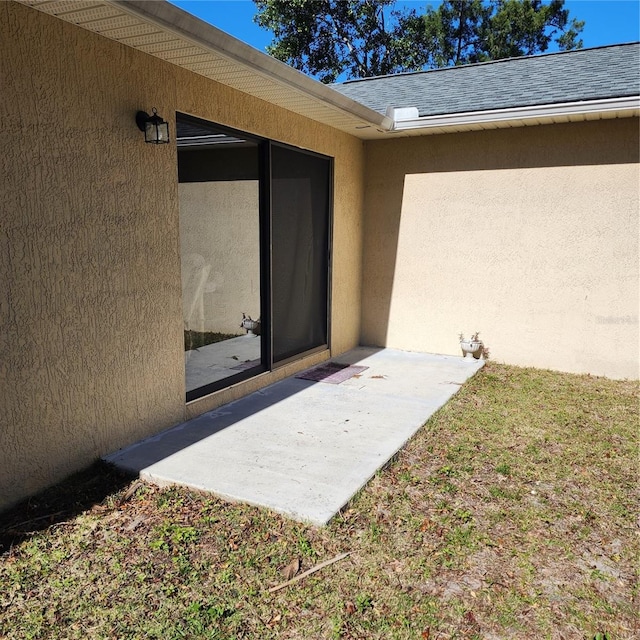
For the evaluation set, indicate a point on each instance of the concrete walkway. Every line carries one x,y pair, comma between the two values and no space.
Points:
220,360
304,448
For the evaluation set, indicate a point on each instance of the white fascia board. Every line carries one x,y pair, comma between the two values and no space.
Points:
184,25
520,113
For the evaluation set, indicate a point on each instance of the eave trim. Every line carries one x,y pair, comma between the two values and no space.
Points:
566,109
186,26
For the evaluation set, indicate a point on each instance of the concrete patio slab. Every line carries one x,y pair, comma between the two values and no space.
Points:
220,360
299,447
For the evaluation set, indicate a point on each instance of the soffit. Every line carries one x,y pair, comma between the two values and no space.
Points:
166,32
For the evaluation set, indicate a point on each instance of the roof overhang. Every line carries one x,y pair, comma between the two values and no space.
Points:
165,31
161,29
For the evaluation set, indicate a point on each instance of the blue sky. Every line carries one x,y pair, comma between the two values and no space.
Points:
607,21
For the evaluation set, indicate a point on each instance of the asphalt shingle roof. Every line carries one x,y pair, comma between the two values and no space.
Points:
585,74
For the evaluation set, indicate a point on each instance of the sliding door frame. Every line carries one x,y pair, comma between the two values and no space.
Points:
265,221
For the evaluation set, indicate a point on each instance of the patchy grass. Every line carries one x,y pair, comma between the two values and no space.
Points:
511,514
197,339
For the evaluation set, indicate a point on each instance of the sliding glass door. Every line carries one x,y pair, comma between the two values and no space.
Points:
254,240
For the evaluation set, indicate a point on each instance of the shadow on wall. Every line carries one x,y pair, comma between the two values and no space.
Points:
494,180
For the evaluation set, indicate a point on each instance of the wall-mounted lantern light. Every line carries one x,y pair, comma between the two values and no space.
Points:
156,130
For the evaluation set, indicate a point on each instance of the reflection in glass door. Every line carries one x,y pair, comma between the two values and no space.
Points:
219,201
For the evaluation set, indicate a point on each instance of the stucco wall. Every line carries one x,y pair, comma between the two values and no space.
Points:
529,236
91,327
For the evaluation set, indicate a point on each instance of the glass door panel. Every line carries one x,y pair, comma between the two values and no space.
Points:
300,197
219,201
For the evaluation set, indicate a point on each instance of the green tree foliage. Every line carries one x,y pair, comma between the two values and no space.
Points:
467,31
326,38
364,38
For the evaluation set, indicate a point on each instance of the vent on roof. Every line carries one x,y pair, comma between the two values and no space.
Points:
398,114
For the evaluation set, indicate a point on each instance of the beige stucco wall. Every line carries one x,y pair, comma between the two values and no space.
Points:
91,353
529,236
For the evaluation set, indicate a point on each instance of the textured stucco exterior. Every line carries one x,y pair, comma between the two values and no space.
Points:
91,318
529,236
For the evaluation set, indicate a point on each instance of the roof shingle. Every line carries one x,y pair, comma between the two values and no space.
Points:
573,76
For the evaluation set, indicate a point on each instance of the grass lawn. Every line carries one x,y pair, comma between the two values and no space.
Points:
512,514
197,339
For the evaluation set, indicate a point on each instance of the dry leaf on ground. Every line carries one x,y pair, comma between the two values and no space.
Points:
291,569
